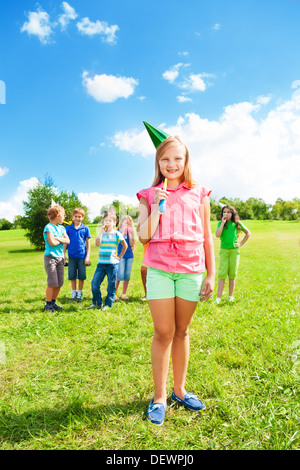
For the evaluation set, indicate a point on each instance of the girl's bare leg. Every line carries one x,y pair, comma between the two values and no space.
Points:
231,287
125,287
221,284
163,316
144,277
184,310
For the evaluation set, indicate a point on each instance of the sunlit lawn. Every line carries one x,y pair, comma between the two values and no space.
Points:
82,379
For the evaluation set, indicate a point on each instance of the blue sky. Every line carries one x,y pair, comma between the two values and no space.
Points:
78,78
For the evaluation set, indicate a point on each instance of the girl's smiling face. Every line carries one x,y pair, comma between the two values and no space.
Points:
172,163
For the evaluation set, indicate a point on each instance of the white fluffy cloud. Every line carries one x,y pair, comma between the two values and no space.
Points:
240,154
183,99
134,142
194,83
68,15
3,171
191,83
90,28
14,206
39,25
108,88
173,72
95,201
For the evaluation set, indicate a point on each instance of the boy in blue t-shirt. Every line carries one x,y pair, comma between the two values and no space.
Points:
79,252
55,236
107,240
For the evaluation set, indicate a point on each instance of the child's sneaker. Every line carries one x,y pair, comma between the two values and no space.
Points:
231,300
94,306
79,296
217,300
106,307
74,295
49,308
57,307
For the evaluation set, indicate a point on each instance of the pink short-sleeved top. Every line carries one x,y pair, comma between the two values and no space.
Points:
177,244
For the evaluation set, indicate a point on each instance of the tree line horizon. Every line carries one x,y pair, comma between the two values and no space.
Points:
41,197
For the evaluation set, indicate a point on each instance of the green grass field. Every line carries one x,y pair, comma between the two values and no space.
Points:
82,379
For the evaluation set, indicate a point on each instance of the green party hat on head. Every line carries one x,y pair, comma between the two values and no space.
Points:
157,136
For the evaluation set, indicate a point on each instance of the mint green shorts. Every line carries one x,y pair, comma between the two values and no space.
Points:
163,285
228,263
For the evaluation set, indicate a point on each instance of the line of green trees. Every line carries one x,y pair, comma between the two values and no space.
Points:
252,208
40,199
258,209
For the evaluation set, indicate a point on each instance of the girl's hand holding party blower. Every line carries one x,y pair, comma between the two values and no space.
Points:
163,202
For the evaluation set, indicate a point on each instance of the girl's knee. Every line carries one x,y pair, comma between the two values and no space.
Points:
182,333
164,335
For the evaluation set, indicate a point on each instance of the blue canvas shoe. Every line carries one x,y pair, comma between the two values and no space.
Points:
190,401
156,412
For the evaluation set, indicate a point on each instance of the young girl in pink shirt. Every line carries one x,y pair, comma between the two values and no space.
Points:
180,250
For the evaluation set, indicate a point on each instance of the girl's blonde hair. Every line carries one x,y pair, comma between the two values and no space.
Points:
133,238
161,149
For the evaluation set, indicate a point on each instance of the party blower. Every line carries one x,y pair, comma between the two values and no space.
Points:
163,203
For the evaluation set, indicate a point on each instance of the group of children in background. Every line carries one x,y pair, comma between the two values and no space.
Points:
178,249
116,255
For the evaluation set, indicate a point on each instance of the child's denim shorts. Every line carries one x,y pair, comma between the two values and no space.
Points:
76,269
164,285
124,269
